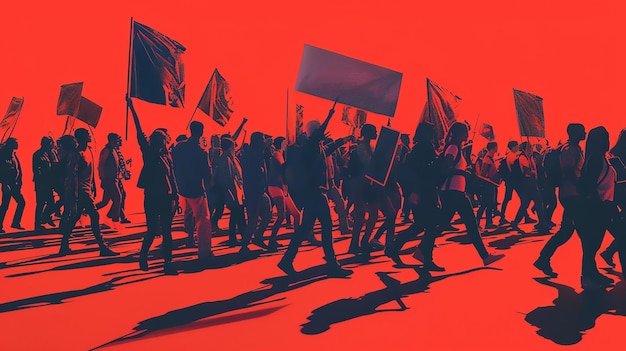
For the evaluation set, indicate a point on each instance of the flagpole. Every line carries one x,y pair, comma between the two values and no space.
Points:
67,123
130,58
287,119
191,119
476,126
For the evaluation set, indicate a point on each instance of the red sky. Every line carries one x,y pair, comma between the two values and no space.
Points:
569,54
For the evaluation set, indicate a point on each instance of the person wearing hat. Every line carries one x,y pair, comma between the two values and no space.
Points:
43,179
79,193
11,179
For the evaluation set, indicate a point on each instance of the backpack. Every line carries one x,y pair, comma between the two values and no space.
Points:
503,170
552,167
438,170
516,175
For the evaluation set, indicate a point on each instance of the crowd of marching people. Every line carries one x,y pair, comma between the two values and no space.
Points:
266,184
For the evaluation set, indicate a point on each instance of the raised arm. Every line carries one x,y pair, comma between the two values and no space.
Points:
141,137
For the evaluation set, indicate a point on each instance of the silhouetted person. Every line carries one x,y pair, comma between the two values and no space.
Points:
79,193
228,180
254,187
546,188
486,170
619,150
193,176
421,195
278,191
527,188
315,202
362,190
110,175
597,189
160,192
509,182
453,196
571,160
43,179
11,179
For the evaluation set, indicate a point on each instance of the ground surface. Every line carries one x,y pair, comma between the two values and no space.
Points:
82,301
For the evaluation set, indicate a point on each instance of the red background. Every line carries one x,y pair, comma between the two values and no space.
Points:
571,55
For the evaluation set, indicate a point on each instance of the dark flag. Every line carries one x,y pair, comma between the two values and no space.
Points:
486,131
299,119
529,114
157,71
89,112
356,83
69,99
216,101
345,116
440,109
360,118
10,118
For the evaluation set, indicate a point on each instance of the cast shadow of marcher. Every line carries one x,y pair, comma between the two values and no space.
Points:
194,317
574,313
343,310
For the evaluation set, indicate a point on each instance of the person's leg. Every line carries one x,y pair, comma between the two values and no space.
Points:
508,195
340,209
525,199
123,218
308,220
279,201
4,206
166,214
200,210
189,221
19,210
464,207
106,196
358,215
86,203
152,227
116,198
39,206
253,208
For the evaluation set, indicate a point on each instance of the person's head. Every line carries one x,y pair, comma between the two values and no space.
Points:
82,136
257,140
158,140
47,143
197,129
457,134
228,146
114,139
425,133
513,146
368,132
279,143
301,139
576,132
11,143
311,127
215,141
168,137
597,141
68,142
526,148
492,147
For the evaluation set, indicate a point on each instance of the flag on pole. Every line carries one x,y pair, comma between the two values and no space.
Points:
69,99
89,112
345,116
216,101
299,119
356,83
529,114
486,131
360,118
10,118
157,70
440,109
